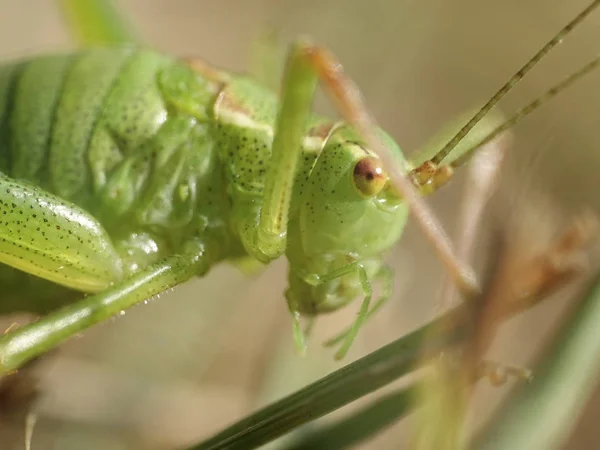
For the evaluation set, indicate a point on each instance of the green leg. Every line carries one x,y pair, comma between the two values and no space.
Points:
25,343
299,334
384,274
348,335
299,85
362,314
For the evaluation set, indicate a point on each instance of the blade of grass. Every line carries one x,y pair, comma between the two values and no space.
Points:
362,424
542,415
342,386
96,22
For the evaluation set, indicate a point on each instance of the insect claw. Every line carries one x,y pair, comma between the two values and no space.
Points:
299,335
309,326
336,339
347,338
340,338
340,354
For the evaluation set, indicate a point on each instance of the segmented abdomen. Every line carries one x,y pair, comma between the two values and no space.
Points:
66,121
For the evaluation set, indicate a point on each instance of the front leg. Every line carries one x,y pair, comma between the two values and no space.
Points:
384,275
347,336
298,89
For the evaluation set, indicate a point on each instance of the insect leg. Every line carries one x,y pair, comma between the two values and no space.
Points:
348,335
300,335
386,275
362,314
298,90
25,343
364,307
51,238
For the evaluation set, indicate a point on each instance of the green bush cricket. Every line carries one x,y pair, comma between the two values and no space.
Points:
127,172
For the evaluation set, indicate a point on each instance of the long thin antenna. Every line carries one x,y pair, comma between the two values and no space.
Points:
528,109
557,39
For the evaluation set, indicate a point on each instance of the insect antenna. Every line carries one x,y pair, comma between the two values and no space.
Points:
512,82
529,108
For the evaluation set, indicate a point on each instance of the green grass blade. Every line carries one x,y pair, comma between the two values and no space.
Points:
361,425
341,387
96,22
542,415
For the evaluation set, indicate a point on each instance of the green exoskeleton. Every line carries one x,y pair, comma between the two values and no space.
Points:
127,172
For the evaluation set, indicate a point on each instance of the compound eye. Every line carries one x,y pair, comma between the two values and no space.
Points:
369,176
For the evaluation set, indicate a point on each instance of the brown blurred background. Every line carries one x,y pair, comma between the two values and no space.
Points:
185,365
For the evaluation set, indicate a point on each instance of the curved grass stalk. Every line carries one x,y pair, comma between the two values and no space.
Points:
362,424
342,386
